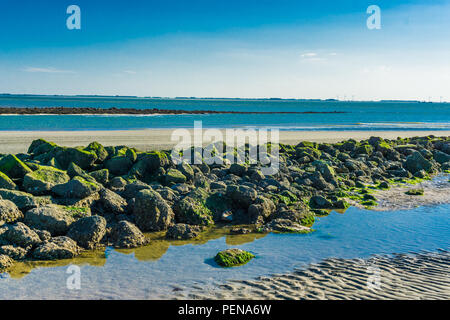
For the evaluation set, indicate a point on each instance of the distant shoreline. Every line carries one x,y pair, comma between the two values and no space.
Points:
133,111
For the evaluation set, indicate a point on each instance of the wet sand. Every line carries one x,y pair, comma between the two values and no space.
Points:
402,276
157,139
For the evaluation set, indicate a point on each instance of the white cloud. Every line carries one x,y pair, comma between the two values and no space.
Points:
46,70
129,71
309,55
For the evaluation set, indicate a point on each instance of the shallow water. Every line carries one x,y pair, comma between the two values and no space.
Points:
155,271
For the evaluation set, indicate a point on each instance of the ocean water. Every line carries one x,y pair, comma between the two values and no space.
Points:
359,115
157,269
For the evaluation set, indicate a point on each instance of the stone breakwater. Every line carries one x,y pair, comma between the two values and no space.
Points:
56,202
133,111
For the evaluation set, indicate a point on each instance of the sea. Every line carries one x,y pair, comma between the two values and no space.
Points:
356,115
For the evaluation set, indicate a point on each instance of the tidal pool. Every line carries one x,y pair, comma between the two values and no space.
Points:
155,271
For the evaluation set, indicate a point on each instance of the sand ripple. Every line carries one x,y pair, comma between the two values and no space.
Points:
401,276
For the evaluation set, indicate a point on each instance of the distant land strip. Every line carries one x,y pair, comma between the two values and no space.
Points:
132,111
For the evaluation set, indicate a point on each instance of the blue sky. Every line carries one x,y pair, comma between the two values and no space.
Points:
215,48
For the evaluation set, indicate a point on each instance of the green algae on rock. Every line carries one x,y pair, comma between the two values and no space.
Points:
233,257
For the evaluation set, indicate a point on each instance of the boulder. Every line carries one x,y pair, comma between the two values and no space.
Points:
119,165
14,252
111,202
55,219
174,176
325,170
87,232
19,234
5,263
13,167
99,151
57,248
416,162
233,257
101,176
238,169
6,182
441,157
186,170
260,210
21,199
242,195
82,158
181,231
9,212
44,179
127,235
151,212
78,188
192,211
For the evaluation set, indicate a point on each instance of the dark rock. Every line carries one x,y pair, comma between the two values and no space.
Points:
111,202
87,232
192,211
416,162
54,219
57,248
181,231
19,234
151,211
9,212
77,188
126,235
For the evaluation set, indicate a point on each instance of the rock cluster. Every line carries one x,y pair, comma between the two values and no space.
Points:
57,201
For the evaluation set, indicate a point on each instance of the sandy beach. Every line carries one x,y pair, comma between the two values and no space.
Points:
401,276
157,139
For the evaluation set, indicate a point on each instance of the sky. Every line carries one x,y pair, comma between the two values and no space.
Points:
234,48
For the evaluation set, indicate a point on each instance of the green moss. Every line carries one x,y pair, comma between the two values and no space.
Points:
78,212
415,192
13,167
369,203
233,257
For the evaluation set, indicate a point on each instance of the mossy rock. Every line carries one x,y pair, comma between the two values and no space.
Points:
99,150
101,176
369,203
78,212
174,176
366,149
193,211
13,167
41,146
6,182
43,179
415,192
233,257
82,158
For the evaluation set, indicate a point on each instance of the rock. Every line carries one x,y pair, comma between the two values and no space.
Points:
132,189
77,188
9,212
192,211
73,170
174,176
186,170
13,167
238,169
233,257
40,146
319,182
99,151
57,248
127,235
22,200
325,170
119,165
6,182
87,232
44,179
238,230
415,192
285,226
111,202
416,162
14,252
118,183
82,158
151,212
181,231
441,157
154,160
319,202
242,195
5,263
364,149
260,210
55,219
20,235
101,176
